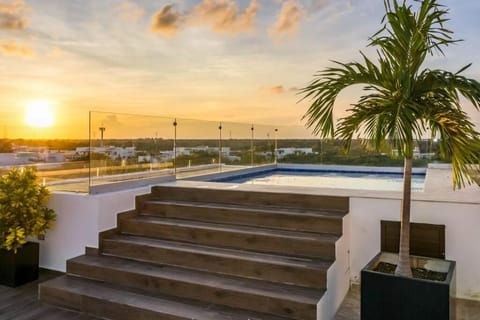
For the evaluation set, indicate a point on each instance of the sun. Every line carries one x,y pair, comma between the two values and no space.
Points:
39,114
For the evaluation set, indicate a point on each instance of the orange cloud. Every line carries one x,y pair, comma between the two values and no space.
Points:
224,16
273,90
12,15
13,49
167,21
290,16
56,53
129,11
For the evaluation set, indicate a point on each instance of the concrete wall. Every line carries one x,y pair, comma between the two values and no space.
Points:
80,217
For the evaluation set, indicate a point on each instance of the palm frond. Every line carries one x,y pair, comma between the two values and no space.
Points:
326,86
402,101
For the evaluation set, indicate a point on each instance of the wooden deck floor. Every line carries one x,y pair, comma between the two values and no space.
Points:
22,303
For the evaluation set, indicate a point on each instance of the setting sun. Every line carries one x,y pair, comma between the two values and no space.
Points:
39,114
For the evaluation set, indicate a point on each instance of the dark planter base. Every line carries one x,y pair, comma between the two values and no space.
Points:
387,296
20,268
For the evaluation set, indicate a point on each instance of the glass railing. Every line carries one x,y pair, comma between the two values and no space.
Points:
197,146
67,175
124,148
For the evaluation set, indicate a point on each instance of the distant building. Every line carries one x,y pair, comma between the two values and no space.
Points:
113,152
9,159
24,155
416,154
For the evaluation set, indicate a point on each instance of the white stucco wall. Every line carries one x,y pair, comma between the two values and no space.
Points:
462,238
338,276
80,217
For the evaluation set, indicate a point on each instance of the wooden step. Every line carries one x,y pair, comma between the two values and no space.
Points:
307,272
267,217
238,237
114,302
259,296
252,198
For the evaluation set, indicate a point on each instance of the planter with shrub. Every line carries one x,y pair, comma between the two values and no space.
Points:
23,217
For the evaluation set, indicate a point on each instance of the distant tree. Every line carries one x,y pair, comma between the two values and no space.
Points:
5,146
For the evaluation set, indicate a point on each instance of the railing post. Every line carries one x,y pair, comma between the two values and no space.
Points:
175,146
220,147
321,150
276,147
89,151
251,147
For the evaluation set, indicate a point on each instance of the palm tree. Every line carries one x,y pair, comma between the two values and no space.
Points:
402,100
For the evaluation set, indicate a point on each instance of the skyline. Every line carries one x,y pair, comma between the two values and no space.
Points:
218,60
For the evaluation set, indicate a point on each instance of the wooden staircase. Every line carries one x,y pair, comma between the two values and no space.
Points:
207,254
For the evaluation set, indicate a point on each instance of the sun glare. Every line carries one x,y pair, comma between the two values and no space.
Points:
39,114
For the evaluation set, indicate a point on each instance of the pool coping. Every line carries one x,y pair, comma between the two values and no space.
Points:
438,183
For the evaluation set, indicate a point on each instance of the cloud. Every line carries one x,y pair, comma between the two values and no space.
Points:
224,15
167,21
279,89
129,11
12,15
56,53
14,49
290,16
317,5
111,121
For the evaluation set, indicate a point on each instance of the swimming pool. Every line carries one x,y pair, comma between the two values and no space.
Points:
360,180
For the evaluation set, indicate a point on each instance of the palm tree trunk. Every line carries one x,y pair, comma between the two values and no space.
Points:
403,267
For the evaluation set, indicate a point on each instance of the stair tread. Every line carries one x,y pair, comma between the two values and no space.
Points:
237,284
290,261
332,214
237,228
162,304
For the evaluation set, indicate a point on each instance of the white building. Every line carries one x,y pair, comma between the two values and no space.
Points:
111,151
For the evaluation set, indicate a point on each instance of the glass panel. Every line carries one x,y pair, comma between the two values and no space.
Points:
295,144
197,147
126,147
57,164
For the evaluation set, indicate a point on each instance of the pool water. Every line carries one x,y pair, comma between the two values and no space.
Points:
329,179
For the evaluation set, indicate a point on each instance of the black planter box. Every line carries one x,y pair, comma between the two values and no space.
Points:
21,267
388,296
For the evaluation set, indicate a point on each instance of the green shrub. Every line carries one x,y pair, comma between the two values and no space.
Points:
23,211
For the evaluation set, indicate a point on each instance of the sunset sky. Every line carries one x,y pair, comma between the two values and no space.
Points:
219,60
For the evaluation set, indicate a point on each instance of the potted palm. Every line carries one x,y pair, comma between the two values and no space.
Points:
403,101
23,215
